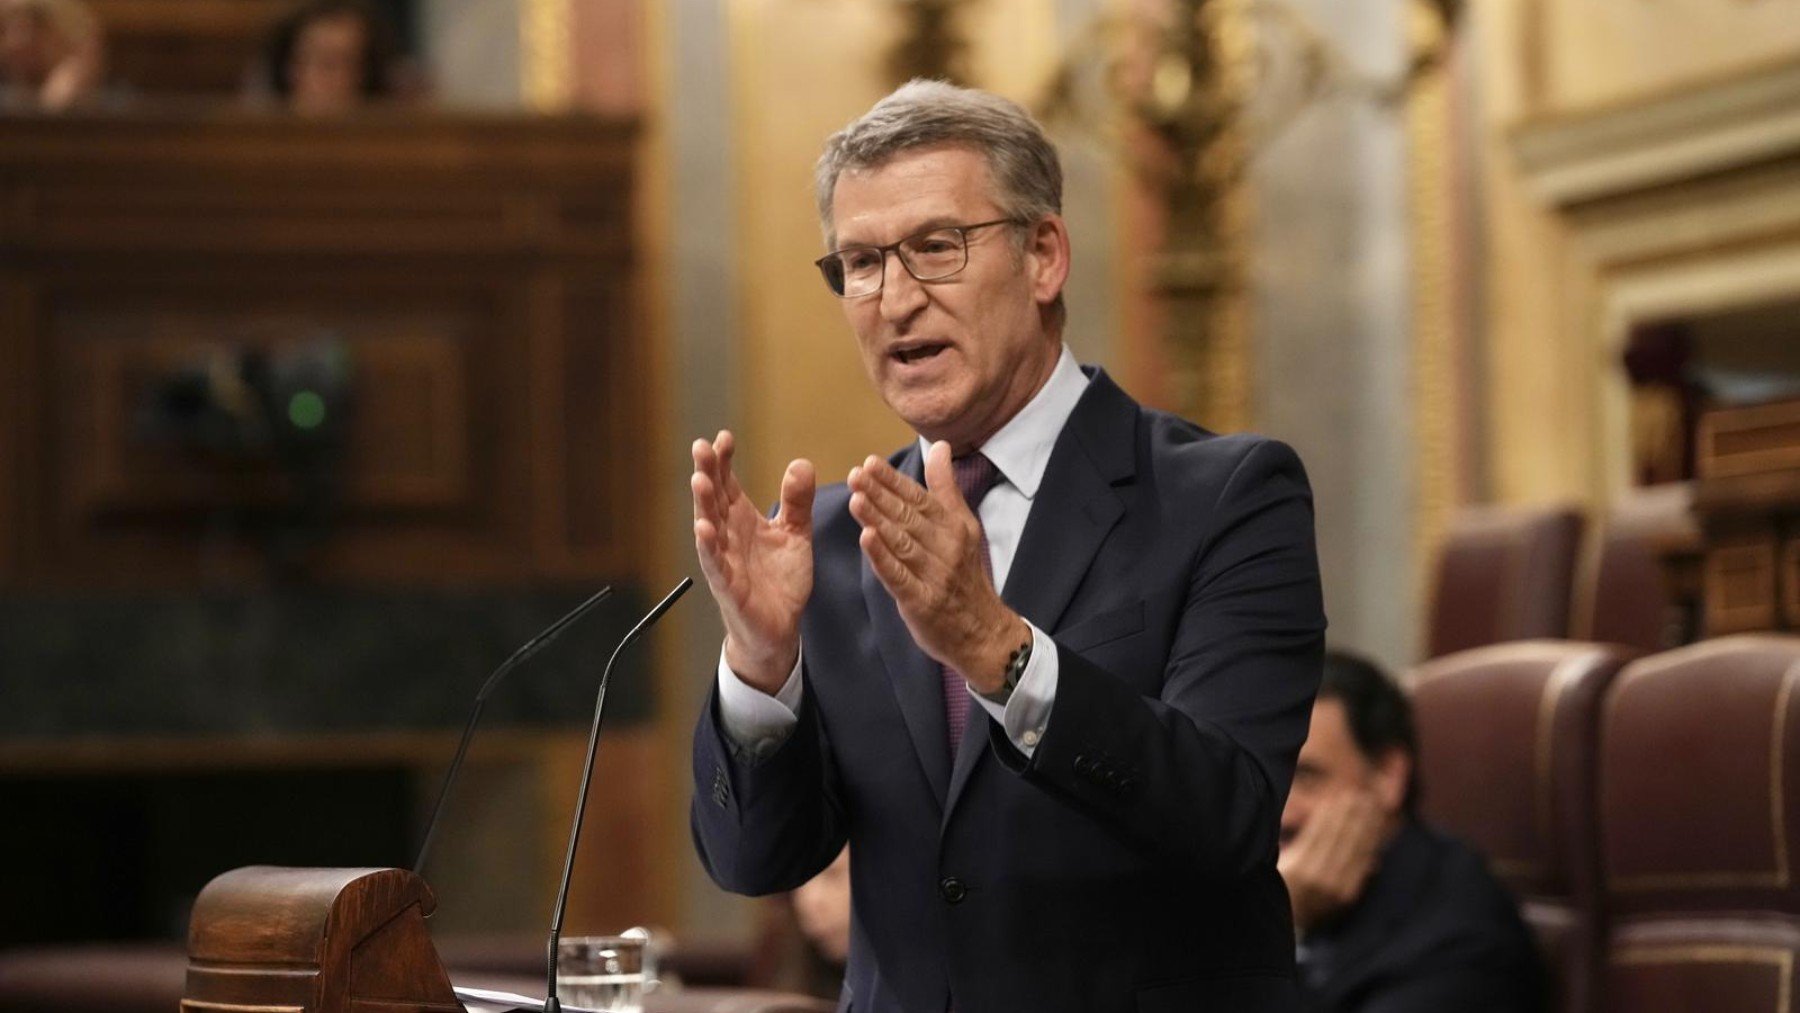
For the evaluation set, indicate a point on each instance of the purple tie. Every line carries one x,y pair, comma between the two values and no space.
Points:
975,475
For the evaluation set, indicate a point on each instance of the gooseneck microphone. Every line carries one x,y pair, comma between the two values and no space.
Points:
551,1003
519,657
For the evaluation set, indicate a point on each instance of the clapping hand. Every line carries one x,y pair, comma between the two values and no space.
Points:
925,545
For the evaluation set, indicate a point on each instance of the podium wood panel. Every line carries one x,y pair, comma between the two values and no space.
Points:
264,938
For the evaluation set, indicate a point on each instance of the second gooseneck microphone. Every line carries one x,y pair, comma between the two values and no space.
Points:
551,1003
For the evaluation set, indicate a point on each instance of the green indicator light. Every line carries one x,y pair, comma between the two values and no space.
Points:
306,410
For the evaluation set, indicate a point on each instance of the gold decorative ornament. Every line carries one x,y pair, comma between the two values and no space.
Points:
1185,98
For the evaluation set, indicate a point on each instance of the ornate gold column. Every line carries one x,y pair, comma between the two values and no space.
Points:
1438,262
930,44
1168,91
1200,275
546,54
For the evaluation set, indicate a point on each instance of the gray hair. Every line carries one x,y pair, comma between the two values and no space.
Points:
1021,161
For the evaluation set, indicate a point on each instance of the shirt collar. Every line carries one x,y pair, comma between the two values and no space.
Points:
1021,449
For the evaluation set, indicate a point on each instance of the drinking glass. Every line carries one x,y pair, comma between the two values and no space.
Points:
601,972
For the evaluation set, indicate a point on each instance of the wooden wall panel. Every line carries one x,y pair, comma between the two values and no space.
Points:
16,413
409,443
480,274
186,46
595,418
477,271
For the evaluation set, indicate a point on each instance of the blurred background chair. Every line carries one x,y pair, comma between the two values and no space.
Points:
1503,574
1625,592
1507,740
1697,825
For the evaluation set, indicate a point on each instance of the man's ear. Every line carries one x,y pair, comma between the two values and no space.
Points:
1047,258
1393,772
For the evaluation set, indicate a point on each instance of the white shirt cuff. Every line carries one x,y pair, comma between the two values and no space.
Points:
1027,712
756,724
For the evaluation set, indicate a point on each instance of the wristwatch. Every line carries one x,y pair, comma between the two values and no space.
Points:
1015,670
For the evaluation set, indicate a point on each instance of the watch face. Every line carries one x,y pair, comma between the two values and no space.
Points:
1015,665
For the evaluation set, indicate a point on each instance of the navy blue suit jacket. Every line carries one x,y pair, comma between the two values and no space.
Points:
1129,864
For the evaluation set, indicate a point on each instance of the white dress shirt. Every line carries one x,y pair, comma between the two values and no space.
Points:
757,723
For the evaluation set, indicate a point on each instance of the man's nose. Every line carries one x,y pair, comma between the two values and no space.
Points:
901,294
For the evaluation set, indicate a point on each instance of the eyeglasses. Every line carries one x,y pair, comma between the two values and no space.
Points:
932,255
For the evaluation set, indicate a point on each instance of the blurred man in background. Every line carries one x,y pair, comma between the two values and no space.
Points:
52,54
1392,916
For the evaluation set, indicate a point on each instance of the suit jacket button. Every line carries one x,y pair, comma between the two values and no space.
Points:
1083,765
952,890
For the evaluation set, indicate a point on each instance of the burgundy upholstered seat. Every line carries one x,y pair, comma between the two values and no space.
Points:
1507,741
1624,595
1699,762
1503,574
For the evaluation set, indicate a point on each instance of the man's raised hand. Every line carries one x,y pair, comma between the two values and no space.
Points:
760,569
925,546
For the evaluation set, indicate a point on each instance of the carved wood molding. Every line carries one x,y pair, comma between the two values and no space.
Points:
174,135
1732,123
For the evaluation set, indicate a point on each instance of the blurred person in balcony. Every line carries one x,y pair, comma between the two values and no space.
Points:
52,54
331,57
1392,915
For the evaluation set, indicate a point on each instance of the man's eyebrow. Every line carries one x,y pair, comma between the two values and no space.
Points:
931,224
938,222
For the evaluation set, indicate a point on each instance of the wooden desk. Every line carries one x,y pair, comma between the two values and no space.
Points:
1748,503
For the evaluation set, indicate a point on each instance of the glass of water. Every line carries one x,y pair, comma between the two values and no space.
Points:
602,972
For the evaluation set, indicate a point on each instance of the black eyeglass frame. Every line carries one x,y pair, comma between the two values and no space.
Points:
962,232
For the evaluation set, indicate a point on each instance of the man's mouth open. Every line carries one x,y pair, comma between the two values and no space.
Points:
917,353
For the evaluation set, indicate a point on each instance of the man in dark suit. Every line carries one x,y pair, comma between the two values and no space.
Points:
1394,917
1048,669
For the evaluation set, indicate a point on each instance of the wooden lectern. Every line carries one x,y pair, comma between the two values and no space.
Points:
265,939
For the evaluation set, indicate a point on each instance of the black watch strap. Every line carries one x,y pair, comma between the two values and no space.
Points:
1015,670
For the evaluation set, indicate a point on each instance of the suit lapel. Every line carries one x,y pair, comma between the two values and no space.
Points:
1074,510
1076,506
917,683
